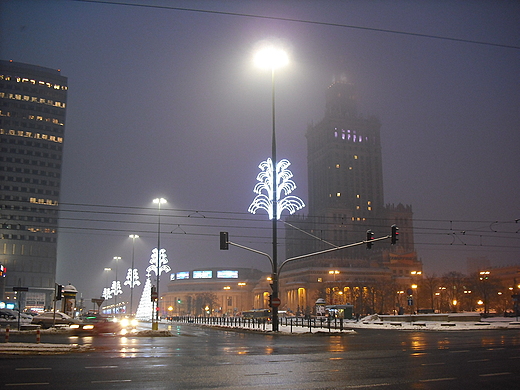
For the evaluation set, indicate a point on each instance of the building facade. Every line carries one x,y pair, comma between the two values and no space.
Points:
212,291
32,128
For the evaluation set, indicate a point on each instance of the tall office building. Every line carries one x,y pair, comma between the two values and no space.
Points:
345,181
32,126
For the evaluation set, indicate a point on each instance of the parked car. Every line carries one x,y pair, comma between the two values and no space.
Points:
48,319
97,324
7,318
10,317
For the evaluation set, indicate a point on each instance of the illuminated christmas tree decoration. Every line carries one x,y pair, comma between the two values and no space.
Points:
163,262
265,187
145,308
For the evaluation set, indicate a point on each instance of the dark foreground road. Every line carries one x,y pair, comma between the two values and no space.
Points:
198,358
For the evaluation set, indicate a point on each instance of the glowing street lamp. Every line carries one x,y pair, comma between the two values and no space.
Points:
158,202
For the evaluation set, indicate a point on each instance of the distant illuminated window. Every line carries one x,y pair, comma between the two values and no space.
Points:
338,194
369,203
355,157
357,196
337,165
357,207
369,208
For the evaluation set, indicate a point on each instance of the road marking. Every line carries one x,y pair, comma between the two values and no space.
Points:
102,367
32,368
496,374
433,364
464,350
27,384
478,360
437,379
113,381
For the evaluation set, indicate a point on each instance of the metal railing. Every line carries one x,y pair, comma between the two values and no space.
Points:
327,323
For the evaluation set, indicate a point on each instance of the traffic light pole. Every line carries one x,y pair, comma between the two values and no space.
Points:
224,245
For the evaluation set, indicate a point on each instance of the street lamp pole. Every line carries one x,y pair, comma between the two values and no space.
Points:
158,201
116,258
133,237
273,58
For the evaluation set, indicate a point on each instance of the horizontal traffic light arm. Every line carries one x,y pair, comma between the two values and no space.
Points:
332,250
253,250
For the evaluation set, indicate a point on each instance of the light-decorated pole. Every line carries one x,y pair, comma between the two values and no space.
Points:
272,58
116,286
132,281
155,324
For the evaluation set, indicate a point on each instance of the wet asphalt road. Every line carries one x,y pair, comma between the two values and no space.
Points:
202,358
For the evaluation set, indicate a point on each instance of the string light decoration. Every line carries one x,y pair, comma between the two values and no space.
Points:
162,260
132,278
265,187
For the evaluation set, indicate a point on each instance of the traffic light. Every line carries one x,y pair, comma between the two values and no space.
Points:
395,234
224,244
370,237
59,292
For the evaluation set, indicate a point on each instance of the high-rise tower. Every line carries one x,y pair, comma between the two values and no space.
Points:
346,186
32,126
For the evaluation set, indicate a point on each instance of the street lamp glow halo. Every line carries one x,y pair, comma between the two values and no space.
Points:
133,236
159,200
271,57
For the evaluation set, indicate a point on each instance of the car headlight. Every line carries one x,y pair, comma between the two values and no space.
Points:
88,327
134,322
124,322
74,326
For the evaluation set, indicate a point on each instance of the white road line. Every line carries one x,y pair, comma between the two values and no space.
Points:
32,368
100,367
437,379
113,381
27,384
496,374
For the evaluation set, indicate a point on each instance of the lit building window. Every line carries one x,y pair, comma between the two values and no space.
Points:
338,194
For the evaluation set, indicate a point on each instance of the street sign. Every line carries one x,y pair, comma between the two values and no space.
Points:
17,288
275,302
98,301
410,302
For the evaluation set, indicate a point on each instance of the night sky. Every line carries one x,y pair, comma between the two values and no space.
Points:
167,103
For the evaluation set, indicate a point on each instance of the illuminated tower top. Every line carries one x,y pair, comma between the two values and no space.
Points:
344,159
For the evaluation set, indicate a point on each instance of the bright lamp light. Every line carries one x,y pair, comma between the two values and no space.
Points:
271,57
159,200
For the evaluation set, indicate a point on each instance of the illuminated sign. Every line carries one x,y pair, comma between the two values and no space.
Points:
227,274
172,276
265,190
183,275
202,274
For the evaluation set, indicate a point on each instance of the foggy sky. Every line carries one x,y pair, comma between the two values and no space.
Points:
167,103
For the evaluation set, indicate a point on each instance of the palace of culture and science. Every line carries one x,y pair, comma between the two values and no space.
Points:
345,200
